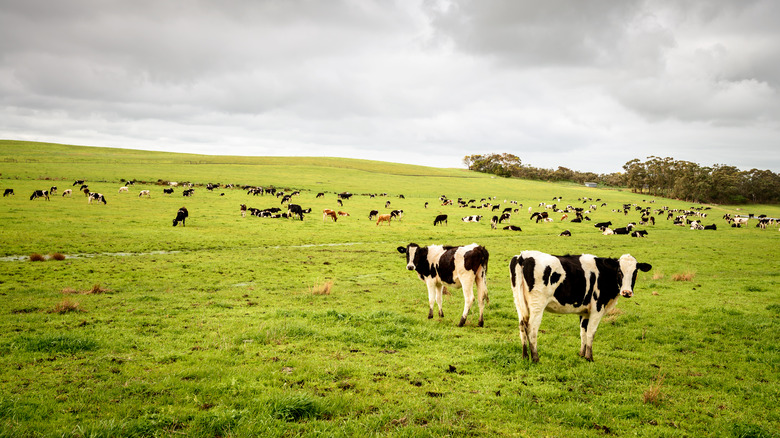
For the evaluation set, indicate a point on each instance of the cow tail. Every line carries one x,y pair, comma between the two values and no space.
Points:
519,287
484,277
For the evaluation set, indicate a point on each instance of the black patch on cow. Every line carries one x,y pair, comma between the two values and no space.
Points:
528,272
421,262
546,276
555,277
475,258
584,322
572,290
446,265
512,266
610,277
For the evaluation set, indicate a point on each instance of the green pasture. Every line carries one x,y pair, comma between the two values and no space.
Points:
223,328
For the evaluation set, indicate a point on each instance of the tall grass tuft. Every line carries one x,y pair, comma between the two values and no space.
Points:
57,256
653,395
295,407
95,289
66,306
684,276
35,257
321,289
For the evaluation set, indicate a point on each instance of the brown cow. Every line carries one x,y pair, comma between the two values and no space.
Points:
383,218
329,213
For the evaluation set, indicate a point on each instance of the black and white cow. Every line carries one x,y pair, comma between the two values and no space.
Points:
40,194
565,233
475,218
512,228
372,214
168,191
504,217
8,192
95,196
459,266
440,219
581,284
181,216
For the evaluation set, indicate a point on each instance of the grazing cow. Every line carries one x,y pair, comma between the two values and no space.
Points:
94,196
426,205
739,221
40,194
504,217
603,224
564,217
459,266
52,190
397,214
8,192
85,191
181,216
320,195
344,195
146,193
540,216
494,222
586,285
512,228
295,210
442,218
387,204
67,192
188,192
343,213
472,218
372,214
328,213
566,233
639,233
168,191
242,207
83,186
383,218
78,181
123,189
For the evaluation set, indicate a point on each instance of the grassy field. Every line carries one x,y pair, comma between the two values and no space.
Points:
245,326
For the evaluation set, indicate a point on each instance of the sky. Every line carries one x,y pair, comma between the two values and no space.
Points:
587,85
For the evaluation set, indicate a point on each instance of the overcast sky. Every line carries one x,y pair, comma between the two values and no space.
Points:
587,85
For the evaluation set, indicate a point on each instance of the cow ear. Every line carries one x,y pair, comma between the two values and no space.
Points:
644,267
401,249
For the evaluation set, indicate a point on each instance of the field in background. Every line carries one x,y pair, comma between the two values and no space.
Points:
240,326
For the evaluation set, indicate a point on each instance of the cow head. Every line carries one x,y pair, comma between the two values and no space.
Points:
627,267
411,251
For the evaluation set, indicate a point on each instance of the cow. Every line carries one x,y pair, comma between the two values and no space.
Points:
78,182
181,216
40,194
95,196
459,266
146,193
540,216
343,213
320,195
168,191
188,192
639,233
295,210
8,192
67,192
512,228
123,189
603,224
344,195
504,217
585,284
372,214
328,213
739,221
442,218
472,218
607,232
494,222
387,204
397,214
383,218
711,227
565,233
53,190
242,208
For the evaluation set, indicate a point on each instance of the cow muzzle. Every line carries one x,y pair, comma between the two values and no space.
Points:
410,267
627,293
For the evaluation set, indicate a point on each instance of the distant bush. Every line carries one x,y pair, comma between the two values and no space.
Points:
57,256
35,257
66,306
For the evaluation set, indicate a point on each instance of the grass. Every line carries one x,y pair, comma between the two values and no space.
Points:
223,328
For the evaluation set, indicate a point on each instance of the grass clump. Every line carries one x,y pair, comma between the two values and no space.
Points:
94,290
653,395
57,256
35,257
295,407
684,276
66,306
321,289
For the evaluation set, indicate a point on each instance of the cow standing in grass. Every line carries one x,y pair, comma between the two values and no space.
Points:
181,216
460,266
585,285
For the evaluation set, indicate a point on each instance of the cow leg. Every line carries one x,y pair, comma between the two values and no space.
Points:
593,325
431,298
468,296
440,299
524,337
482,294
583,334
534,321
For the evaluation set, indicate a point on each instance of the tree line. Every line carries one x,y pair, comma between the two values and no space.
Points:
656,176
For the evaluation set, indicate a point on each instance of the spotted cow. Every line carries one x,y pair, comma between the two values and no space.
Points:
459,266
581,284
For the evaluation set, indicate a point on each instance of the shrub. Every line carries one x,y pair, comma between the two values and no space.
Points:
57,256
35,257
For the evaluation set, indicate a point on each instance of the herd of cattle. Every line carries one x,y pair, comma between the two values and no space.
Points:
585,285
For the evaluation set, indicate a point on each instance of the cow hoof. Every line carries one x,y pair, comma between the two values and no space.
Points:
462,321
481,323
